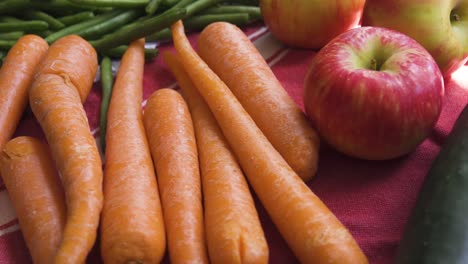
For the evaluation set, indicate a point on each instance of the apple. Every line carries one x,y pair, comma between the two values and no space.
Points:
310,23
373,93
441,26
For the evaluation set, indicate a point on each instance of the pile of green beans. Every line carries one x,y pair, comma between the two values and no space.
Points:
110,25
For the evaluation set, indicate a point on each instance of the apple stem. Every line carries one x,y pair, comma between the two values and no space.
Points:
373,64
456,17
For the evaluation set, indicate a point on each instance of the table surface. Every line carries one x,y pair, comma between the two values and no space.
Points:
373,199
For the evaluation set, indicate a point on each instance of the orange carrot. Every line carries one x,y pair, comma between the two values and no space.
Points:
16,75
36,193
62,82
132,228
312,231
77,67
172,141
233,230
231,55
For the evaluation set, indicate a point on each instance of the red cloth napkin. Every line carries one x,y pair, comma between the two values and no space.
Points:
373,199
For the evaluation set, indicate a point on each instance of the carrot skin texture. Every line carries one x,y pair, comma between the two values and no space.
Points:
16,76
75,71
132,228
311,230
36,192
232,226
226,49
56,99
169,130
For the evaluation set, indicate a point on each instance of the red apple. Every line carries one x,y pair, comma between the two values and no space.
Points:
310,23
373,93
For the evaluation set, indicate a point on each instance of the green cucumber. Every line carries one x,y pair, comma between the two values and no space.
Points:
437,230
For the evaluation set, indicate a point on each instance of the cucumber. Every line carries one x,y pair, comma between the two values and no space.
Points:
437,230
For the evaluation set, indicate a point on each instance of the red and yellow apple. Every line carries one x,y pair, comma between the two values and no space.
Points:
373,93
310,23
441,26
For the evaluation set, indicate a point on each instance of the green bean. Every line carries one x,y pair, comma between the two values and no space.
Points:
150,54
28,26
152,6
197,23
138,30
77,28
194,6
105,27
200,22
119,51
7,44
170,2
191,5
10,19
245,2
54,24
64,7
253,11
179,4
111,3
15,35
106,85
200,5
162,35
45,33
76,18
11,6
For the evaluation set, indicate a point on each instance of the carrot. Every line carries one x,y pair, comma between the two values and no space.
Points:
62,82
226,49
312,231
172,142
16,75
132,228
233,230
76,71
34,187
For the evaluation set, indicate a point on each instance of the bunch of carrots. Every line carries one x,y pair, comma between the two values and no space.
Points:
110,26
176,176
